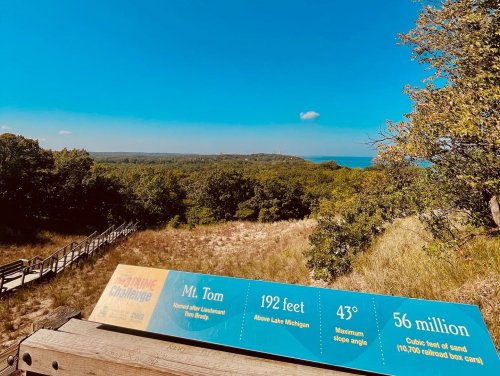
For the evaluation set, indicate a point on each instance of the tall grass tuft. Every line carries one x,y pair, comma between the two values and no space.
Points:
396,264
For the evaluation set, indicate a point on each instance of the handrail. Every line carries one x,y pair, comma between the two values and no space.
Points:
33,260
117,231
28,269
103,235
84,242
68,254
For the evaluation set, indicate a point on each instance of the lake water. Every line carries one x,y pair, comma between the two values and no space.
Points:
352,162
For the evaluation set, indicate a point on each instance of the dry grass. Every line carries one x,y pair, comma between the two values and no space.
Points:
397,265
394,265
48,243
250,250
242,249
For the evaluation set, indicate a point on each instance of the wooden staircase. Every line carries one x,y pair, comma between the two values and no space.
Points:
37,269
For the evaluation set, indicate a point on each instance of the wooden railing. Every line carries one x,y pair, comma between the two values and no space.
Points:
38,268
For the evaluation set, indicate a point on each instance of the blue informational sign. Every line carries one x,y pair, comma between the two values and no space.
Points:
368,332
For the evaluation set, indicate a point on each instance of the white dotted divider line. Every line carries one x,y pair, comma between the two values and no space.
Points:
320,325
244,312
378,332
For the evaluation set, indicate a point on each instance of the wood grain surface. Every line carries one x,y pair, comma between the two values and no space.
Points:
85,348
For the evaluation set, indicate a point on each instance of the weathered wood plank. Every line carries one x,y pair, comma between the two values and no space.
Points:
82,348
55,319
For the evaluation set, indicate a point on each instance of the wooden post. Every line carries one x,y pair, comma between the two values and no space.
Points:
8,360
73,247
24,274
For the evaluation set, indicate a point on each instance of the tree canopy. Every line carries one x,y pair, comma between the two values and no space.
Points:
455,122
70,190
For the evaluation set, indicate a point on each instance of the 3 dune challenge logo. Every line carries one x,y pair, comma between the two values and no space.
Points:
135,288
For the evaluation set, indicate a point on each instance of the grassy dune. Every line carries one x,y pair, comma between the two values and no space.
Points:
251,250
394,265
397,265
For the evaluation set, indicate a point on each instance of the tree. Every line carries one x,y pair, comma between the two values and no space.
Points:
217,196
106,200
159,197
69,184
278,199
24,170
455,122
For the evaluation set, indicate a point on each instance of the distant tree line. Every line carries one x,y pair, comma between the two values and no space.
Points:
68,189
189,159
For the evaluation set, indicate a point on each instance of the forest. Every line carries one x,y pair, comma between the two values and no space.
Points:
71,189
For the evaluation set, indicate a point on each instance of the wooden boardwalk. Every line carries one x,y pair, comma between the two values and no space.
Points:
37,269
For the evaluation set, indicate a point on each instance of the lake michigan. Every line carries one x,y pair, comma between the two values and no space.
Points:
352,162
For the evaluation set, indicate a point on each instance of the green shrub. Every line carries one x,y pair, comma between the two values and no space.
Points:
359,215
175,222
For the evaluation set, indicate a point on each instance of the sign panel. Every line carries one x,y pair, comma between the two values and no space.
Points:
368,332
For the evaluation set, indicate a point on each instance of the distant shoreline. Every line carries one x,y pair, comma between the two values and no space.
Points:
346,161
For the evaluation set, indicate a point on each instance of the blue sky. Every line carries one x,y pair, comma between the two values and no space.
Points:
205,76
